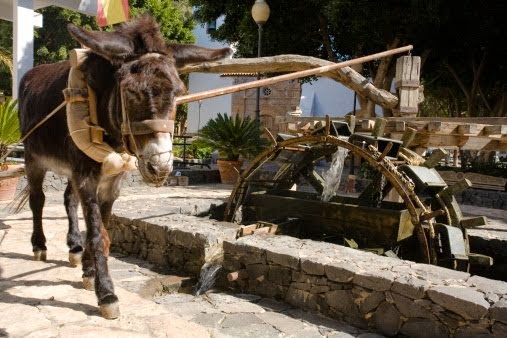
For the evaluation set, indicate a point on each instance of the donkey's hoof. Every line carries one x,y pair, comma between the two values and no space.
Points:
110,311
89,283
75,258
40,255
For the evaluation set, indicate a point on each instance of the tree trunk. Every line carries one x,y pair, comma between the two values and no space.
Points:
380,76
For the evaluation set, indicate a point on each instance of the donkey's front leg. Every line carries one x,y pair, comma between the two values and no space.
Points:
96,249
74,241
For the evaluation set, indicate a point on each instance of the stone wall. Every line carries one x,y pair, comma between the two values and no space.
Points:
483,198
178,241
387,295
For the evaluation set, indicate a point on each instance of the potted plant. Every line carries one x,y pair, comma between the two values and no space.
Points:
235,139
9,135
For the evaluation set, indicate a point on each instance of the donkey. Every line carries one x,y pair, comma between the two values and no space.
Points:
134,74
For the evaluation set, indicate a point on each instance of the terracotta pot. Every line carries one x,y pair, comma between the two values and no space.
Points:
8,185
229,170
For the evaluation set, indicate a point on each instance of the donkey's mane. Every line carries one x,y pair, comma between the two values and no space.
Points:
144,31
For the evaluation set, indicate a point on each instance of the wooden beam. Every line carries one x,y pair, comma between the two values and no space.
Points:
290,63
495,130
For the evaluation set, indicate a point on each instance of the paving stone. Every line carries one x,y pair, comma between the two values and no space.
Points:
307,333
465,302
282,323
239,307
240,320
213,320
251,331
423,328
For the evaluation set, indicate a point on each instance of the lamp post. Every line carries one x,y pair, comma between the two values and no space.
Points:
260,14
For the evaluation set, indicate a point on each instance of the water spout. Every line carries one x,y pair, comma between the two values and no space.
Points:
207,278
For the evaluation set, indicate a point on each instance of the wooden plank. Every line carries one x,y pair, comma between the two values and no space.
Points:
434,126
468,129
379,127
495,130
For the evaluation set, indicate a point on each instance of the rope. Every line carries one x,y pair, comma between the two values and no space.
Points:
41,122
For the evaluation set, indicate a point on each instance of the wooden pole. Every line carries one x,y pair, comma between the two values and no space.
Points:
304,73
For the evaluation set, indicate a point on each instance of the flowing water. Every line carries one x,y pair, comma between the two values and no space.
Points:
333,176
207,278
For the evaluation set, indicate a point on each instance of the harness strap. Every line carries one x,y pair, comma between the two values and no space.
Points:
149,127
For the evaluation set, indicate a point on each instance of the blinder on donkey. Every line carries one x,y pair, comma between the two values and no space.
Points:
120,110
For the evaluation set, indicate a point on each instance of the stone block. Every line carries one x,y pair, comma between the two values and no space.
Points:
470,331
230,263
301,286
296,297
283,258
499,311
372,301
156,234
256,270
410,309
487,285
342,301
279,275
387,319
423,328
156,256
467,303
411,287
319,289
374,280
499,329
449,319
311,267
253,257
340,272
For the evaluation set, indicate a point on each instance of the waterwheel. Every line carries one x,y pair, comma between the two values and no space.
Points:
405,210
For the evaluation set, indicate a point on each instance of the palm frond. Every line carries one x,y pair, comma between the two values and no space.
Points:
232,137
6,60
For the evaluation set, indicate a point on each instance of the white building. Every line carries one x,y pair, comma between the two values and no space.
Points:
318,98
199,113
24,20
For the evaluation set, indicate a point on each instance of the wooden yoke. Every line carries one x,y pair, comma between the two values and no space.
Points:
292,76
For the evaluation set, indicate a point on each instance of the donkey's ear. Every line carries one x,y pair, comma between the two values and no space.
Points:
110,45
185,54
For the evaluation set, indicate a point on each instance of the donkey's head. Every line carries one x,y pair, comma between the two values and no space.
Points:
141,105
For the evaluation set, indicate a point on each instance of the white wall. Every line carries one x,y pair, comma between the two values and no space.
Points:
326,96
206,81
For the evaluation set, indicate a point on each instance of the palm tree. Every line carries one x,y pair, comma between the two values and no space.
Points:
6,59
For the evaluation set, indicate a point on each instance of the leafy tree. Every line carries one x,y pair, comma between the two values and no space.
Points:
52,42
459,41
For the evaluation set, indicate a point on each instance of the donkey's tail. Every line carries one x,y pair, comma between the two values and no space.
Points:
19,200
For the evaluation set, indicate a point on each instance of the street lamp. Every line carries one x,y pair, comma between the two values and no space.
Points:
260,14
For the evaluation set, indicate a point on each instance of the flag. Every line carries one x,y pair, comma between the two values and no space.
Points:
110,12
